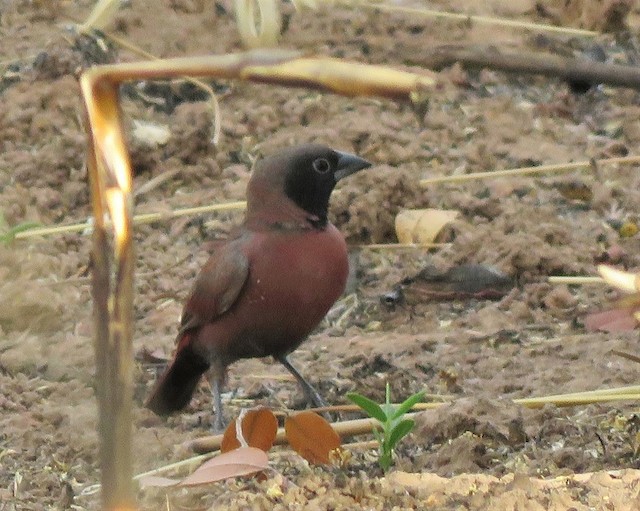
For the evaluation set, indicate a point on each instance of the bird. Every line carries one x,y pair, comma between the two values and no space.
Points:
270,284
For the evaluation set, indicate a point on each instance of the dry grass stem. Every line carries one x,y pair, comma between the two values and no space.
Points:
145,218
399,246
484,20
576,281
575,400
540,169
100,16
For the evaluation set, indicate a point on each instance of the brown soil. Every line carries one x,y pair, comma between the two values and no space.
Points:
493,454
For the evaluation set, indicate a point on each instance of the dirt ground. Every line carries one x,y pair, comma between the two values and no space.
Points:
480,452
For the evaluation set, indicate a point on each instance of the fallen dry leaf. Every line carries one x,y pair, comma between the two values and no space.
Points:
462,282
574,190
613,320
157,482
422,225
258,428
239,462
311,437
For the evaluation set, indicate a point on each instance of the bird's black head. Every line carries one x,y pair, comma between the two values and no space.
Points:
307,175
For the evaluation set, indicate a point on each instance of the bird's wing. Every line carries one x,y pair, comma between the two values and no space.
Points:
217,286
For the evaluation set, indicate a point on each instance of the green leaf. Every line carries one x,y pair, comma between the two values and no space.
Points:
408,404
371,407
377,433
389,409
399,432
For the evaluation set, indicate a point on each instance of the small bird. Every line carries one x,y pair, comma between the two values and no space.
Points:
266,288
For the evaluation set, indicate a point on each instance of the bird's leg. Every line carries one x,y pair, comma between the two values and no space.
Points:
217,422
311,395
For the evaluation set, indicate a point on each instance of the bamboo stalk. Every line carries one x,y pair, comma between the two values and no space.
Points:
112,290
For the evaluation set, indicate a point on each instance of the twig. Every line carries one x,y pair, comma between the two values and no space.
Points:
628,356
570,69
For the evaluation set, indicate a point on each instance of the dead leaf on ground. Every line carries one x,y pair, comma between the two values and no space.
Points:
157,482
258,428
574,190
625,315
461,282
311,437
236,463
613,320
422,225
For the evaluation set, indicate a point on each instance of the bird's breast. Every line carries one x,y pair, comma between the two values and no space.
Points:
294,279
299,271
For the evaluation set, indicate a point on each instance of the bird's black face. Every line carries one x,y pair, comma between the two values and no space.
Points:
312,173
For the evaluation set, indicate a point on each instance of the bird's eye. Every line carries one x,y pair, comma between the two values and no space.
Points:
321,166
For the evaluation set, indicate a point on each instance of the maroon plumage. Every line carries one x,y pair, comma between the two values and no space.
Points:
266,288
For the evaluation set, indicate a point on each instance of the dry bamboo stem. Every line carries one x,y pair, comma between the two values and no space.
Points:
113,304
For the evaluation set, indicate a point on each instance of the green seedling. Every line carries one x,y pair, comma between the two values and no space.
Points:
393,424
8,234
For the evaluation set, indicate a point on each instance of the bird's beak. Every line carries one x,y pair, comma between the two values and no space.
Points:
349,164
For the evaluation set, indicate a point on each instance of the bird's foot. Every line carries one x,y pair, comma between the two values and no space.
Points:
218,424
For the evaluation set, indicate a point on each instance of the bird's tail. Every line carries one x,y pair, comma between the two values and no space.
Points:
175,387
